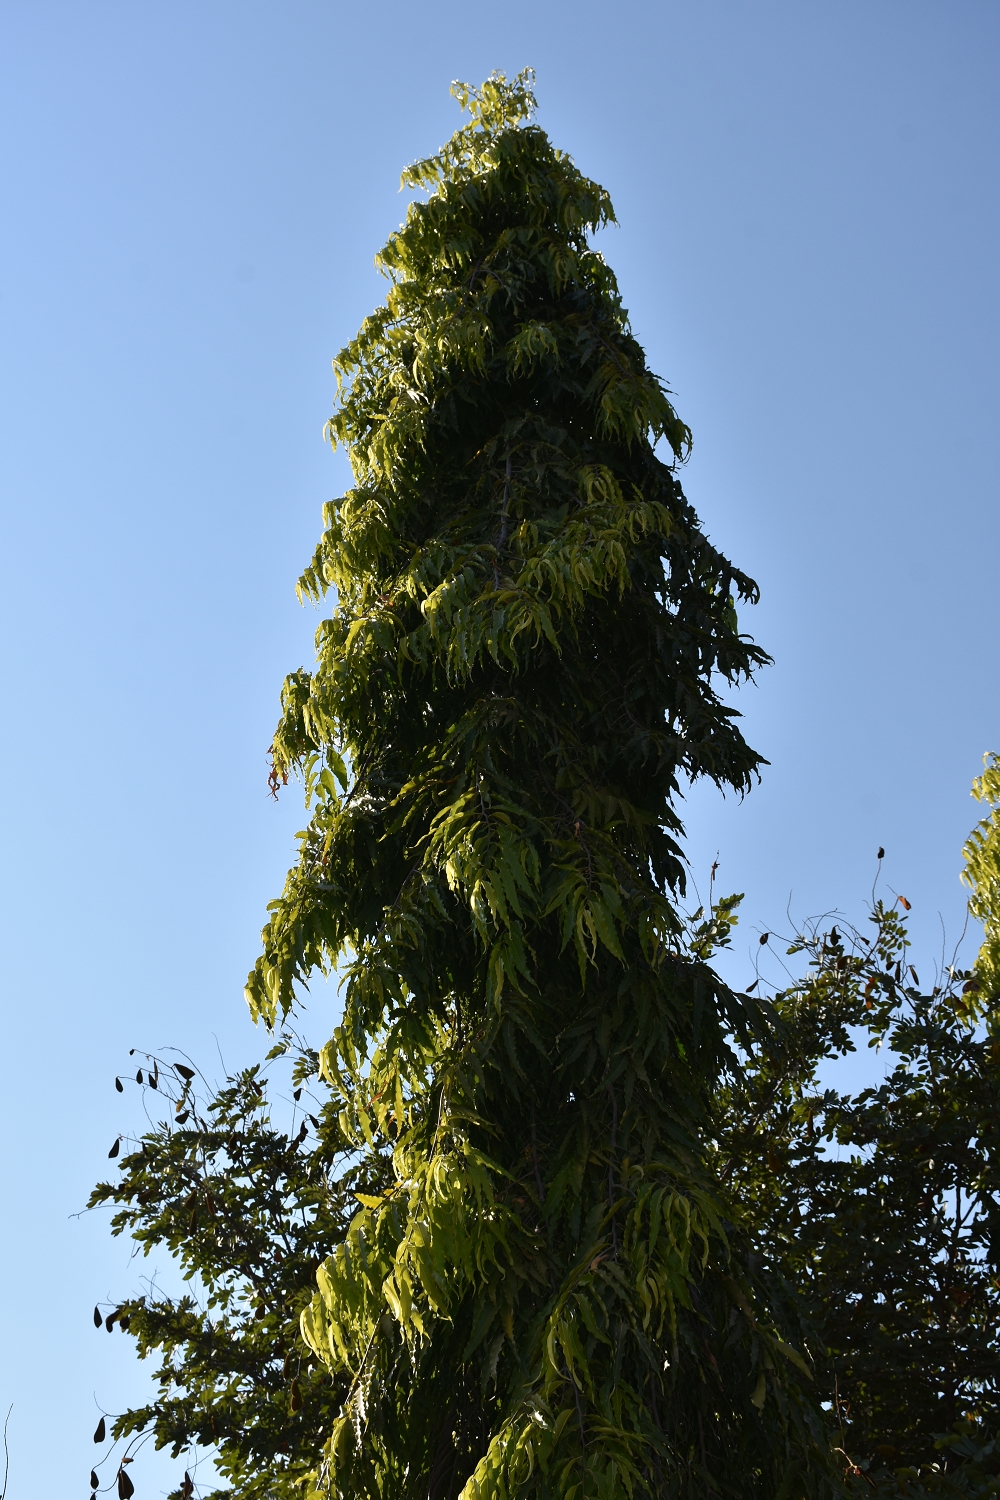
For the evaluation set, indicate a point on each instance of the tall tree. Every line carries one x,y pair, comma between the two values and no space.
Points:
545,1289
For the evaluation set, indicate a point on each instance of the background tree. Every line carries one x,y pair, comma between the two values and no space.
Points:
249,1210
882,1206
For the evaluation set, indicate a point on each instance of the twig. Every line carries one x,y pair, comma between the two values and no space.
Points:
6,1453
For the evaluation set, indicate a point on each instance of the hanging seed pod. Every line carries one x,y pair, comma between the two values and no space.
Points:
98,1320
138,1076
186,1073
126,1489
101,1432
295,1400
116,1147
119,1086
184,1115
93,1480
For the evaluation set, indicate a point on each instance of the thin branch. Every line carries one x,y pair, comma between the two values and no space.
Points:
6,1453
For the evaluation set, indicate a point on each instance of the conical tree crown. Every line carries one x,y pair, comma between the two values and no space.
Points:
528,617
543,1292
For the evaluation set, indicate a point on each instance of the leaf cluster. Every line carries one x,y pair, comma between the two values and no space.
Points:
982,873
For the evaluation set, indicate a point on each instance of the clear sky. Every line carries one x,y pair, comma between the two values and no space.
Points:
190,198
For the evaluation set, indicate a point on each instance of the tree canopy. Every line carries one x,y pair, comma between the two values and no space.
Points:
529,1248
543,1281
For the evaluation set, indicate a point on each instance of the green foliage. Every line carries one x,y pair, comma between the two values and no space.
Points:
873,1220
577,1221
881,1207
551,1297
249,1211
528,618
982,873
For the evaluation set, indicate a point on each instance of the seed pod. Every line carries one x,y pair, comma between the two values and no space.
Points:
295,1403
126,1489
93,1480
764,938
116,1147
881,852
109,1321
119,1086
296,1095
138,1076
98,1320
186,1073
184,1116
101,1432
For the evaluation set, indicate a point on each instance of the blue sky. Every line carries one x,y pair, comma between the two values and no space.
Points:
191,198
